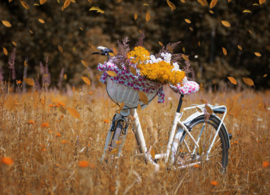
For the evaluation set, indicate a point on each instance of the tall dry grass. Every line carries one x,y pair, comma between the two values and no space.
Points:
54,153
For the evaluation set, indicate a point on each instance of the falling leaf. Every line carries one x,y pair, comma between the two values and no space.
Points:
14,43
115,51
140,31
29,81
250,31
81,28
258,157
213,3
170,49
31,31
199,109
214,183
199,43
184,49
258,54
211,12
143,97
45,75
139,107
36,4
191,29
74,113
90,1
239,47
185,57
41,21
6,23
42,2
255,4
66,4
25,63
5,51
62,109
60,48
38,157
135,16
65,76
153,153
208,109
188,21
89,109
111,73
265,75
119,1
161,44
114,151
9,1
203,2
261,1
133,70
145,4
25,5
121,106
248,81
183,1
111,54
233,81
171,5
246,11
225,23
224,51
84,63
86,80
147,16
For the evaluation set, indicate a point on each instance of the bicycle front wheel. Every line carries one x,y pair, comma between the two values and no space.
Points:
203,131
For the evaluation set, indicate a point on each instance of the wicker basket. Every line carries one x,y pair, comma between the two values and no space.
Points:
121,93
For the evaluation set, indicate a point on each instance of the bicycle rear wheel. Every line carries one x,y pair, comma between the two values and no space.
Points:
203,132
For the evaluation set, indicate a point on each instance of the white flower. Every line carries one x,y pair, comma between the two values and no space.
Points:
175,66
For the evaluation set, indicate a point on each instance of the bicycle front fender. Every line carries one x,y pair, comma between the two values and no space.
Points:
199,114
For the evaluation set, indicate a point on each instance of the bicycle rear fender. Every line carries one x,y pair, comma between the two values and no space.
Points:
199,114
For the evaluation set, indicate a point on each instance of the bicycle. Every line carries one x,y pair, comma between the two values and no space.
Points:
194,141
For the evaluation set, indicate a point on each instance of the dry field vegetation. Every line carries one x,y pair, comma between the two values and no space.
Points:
44,149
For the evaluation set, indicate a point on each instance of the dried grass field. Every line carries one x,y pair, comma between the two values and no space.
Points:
46,150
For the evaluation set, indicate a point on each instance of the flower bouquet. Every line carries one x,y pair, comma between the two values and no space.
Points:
136,77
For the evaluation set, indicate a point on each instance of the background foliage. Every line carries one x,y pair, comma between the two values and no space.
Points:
76,28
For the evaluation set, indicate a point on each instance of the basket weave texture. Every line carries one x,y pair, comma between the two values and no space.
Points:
121,93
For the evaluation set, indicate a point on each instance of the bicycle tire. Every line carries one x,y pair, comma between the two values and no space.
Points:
220,150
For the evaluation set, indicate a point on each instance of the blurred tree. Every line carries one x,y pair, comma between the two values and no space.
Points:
76,30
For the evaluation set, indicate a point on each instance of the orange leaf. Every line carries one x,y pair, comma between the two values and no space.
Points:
133,70
188,21
185,57
171,5
258,54
239,47
42,1
248,81
41,21
161,44
143,97
261,1
224,51
203,2
5,51
25,5
147,17
6,23
84,63
225,23
14,43
265,75
86,80
246,11
29,81
153,153
135,16
233,81
213,3
67,3
115,51
74,113
111,73
60,48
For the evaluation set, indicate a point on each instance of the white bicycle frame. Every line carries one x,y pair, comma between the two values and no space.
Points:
177,121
